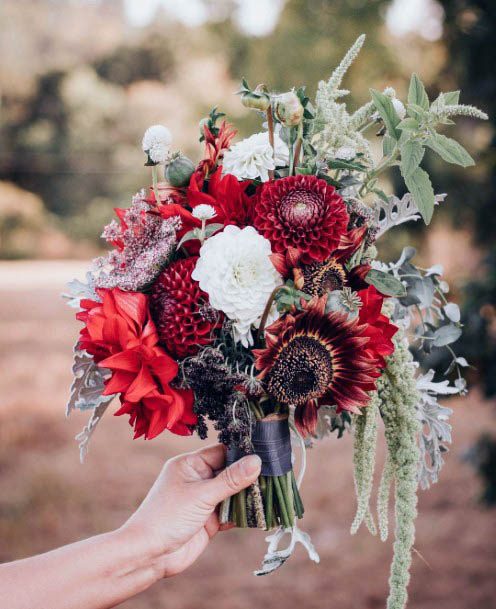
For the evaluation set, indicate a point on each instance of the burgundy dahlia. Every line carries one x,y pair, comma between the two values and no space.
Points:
302,213
181,311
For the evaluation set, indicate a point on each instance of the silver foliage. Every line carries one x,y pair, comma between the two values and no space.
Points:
88,384
85,436
275,558
436,430
397,211
78,290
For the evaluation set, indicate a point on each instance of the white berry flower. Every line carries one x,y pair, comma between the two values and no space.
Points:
204,212
345,153
399,107
252,158
156,142
235,270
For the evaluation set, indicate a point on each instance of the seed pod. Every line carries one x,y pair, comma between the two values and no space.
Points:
179,171
289,109
256,101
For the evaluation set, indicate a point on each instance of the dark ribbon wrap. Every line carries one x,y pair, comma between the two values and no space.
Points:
272,443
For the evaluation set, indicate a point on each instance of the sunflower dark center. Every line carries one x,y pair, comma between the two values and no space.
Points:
322,277
302,371
298,207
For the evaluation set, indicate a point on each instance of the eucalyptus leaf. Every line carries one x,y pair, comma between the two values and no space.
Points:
452,312
445,335
419,185
449,150
385,283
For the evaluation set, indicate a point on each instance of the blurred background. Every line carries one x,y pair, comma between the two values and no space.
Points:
80,80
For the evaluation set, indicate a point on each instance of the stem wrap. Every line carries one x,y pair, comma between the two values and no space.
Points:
271,441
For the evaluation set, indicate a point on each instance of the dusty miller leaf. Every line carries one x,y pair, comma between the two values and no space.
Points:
275,558
397,211
78,290
88,384
85,436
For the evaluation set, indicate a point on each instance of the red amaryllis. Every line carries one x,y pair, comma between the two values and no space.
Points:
303,213
378,327
227,196
181,311
312,357
122,337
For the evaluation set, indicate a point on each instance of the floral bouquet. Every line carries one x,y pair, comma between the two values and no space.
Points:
245,291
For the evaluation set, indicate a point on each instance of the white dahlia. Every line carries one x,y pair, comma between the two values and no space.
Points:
235,270
252,158
156,142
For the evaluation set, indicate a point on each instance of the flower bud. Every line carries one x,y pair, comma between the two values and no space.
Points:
289,109
399,107
256,101
179,171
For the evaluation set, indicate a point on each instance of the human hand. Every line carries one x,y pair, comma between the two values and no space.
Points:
177,519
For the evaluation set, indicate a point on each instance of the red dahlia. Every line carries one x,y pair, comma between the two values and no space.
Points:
302,213
181,311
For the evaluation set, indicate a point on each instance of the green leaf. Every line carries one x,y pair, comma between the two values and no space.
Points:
417,94
339,164
409,124
419,185
451,98
417,112
189,236
449,150
412,153
210,229
388,145
385,283
387,112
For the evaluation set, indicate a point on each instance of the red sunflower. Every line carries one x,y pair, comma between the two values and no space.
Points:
313,358
303,213
181,311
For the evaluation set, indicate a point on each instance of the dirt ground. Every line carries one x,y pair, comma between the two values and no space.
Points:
47,498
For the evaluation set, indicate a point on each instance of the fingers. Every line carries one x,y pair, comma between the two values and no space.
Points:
199,465
214,456
233,479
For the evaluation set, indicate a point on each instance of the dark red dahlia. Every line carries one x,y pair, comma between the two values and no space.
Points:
314,358
303,213
181,311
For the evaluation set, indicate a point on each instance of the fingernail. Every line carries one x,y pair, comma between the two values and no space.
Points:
250,465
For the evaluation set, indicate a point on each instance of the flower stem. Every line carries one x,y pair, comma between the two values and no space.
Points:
282,502
270,125
266,312
155,184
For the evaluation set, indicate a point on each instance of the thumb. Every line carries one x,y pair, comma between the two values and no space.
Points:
234,478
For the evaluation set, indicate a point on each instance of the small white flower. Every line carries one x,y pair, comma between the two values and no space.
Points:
345,153
204,212
399,107
253,158
235,270
156,142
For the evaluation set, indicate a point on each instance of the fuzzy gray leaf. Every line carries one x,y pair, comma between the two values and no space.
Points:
88,384
397,211
275,558
85,436
77,290
436,430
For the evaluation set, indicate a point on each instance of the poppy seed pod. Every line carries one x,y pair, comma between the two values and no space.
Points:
289,109
256,101
179,171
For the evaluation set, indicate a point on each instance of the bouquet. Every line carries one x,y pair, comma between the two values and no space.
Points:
245,292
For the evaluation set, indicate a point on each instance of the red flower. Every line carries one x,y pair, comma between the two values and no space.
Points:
121,336
227,196
379,328
181,310
314,358
304,213
215,144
